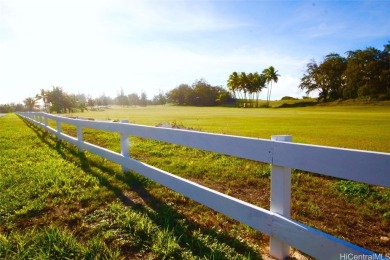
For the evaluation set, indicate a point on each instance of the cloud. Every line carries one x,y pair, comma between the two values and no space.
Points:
178,16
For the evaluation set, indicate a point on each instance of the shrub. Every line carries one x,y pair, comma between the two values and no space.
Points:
288,98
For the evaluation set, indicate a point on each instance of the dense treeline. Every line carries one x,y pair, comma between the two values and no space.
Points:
59,101
200,93
240,86
56,100
361,74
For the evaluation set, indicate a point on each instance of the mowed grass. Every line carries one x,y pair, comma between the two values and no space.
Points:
356,212
354,126
95,211
58,203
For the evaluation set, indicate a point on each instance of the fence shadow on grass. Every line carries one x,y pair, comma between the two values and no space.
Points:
163,215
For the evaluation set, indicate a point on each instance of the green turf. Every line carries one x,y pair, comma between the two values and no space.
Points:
354,126
57,201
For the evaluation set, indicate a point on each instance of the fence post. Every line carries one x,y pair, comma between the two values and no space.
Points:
46,122
280,199
124,145
58,130
80,138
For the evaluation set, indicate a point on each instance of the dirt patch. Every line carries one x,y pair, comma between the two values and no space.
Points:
82,118
173,125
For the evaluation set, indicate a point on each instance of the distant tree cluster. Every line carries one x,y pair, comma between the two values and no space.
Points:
361,74
58,101
248,86
200,93
132,99
55,100
10,108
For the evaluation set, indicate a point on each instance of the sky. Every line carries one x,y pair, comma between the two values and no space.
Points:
98,47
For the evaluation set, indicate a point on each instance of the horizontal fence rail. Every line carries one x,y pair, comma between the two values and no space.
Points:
362,166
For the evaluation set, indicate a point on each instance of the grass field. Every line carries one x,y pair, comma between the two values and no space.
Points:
353,126
56,201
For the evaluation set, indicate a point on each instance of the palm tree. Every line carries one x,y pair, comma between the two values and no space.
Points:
44,96
29,103
233,83
271,75
243,84
258,82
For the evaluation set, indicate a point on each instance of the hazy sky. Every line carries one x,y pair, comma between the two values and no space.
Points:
97,47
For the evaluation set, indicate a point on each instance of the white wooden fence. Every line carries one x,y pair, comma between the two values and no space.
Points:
361,166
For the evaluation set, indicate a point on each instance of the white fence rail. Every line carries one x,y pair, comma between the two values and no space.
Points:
362,166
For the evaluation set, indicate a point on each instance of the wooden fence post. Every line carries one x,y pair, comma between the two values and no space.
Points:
280,199
124,145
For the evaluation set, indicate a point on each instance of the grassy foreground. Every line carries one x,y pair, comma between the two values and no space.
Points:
57,202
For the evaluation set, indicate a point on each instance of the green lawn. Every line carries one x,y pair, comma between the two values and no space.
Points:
355,126
57,202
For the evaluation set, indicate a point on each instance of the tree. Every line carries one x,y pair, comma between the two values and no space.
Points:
367,73
271,75
252,83
7,108
90,101
160,99
332,70
133,99
122,99
182,95
143,100
362,74
56,98
327,78
204,93
258,83
310,80
43,95
243,83
200,93
30,103
81,101
103,100
233,84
